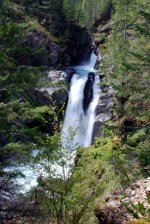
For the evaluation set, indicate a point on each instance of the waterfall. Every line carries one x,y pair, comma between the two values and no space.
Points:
78,124
77,129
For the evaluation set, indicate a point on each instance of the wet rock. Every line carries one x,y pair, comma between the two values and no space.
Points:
101,108
103,117
88,91
98,62
69,72
65,75
103,111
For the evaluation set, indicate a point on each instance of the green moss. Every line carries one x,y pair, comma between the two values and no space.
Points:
94,176
135,138
33,24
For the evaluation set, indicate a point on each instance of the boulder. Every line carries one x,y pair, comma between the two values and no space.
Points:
53,75
50,96
65,75
68,74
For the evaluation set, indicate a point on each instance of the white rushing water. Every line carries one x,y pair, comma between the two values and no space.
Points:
77,131
78,126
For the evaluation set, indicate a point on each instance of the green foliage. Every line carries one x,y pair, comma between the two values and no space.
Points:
94,178
144,154
23,123
135,138
126,65
128,53
70,197
85,12
139,211
99,170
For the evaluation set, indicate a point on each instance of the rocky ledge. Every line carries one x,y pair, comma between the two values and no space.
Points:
55,95
65,75
125,206
57,92
43,49
104,109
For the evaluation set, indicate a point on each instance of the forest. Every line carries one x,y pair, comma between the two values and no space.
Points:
74,111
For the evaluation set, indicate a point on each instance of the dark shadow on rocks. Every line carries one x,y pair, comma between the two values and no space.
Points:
88,91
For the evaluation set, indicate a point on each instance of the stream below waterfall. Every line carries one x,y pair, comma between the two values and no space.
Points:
77,130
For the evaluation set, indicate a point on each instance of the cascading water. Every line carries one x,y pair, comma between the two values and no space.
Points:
77,122
77,119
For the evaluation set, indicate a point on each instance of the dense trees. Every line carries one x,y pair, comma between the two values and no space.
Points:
17,110
66,198
127,63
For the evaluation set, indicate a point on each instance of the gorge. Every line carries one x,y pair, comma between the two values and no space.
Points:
78,124
74,112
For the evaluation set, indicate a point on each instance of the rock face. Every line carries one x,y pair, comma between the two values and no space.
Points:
79,46
102,33
40,51
64,75
52,97
55,94
138,193
115,209
88,91
104,110
46,51
67,74
49,96
105,104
